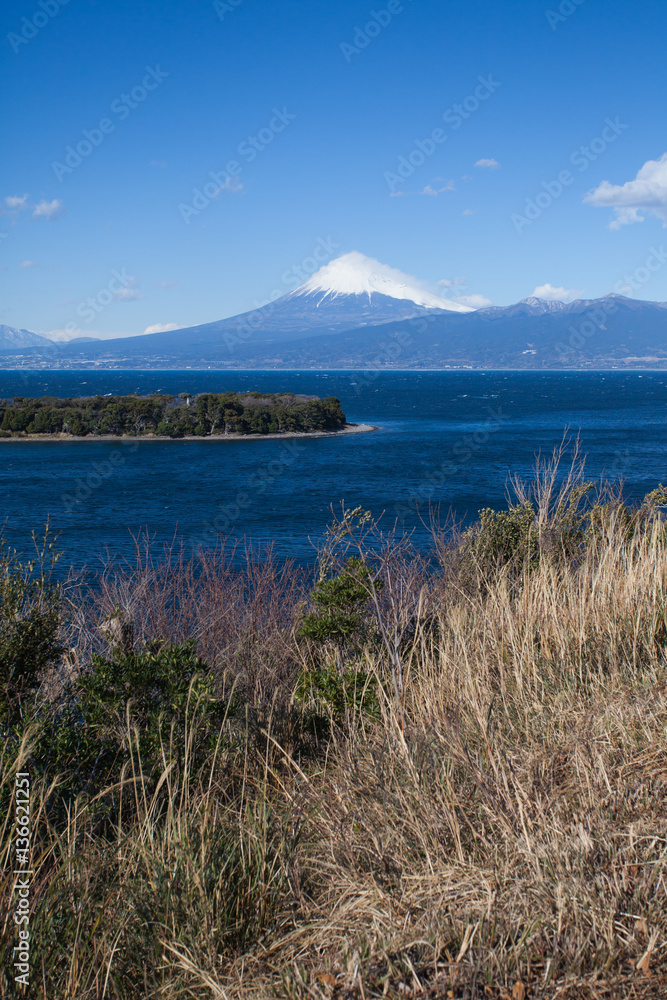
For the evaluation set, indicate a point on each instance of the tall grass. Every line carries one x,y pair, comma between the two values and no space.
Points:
495,827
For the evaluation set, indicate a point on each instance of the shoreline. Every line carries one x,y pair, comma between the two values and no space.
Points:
67,438
352,370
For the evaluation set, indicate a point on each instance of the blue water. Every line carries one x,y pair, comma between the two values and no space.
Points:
446,439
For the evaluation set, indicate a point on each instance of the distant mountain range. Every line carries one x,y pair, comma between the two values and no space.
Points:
357,313
12,339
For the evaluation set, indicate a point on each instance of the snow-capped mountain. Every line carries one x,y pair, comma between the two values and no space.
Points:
355,312
354,275
350,292
543,305
532,306
12,339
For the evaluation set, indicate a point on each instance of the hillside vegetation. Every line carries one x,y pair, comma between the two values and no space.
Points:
413,776
172,416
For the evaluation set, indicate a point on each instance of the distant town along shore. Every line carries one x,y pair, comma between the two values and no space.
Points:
206,415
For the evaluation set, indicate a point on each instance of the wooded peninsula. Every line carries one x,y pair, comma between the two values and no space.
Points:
205,415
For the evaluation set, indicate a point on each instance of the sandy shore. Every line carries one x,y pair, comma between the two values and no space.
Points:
348,429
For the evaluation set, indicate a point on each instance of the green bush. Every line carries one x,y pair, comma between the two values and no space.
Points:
502,538
340,603
516,539
29,625
136,703
333,694
341,618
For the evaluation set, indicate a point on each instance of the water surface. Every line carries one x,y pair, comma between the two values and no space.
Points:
444,438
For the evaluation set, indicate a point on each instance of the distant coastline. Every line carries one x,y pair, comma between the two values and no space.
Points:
65,438
353,369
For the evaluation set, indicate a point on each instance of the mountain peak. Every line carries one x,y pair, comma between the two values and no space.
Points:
544,305
12,339
354,274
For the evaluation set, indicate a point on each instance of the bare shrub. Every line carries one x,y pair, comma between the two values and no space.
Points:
495,828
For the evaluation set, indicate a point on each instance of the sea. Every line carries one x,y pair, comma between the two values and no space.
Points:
447,444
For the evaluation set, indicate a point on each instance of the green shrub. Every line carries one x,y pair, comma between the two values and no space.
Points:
501,539
340,605
29,625
143,700
516,539
341,618
333,694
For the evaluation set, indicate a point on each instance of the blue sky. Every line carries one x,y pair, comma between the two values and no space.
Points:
305,114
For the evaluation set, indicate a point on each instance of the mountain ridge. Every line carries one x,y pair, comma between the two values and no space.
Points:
12,338
356,312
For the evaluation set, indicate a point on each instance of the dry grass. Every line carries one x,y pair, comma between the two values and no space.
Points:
242,619
500,832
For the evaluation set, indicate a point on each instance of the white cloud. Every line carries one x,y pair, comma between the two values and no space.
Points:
488,164
647,194
161,327
437,186
129,293
62,335
231,184
475,301
48,209
27,263
560,294
158,163
168,284
469,211
453,282
435,191
17,203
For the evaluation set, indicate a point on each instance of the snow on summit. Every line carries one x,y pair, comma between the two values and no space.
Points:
355,274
